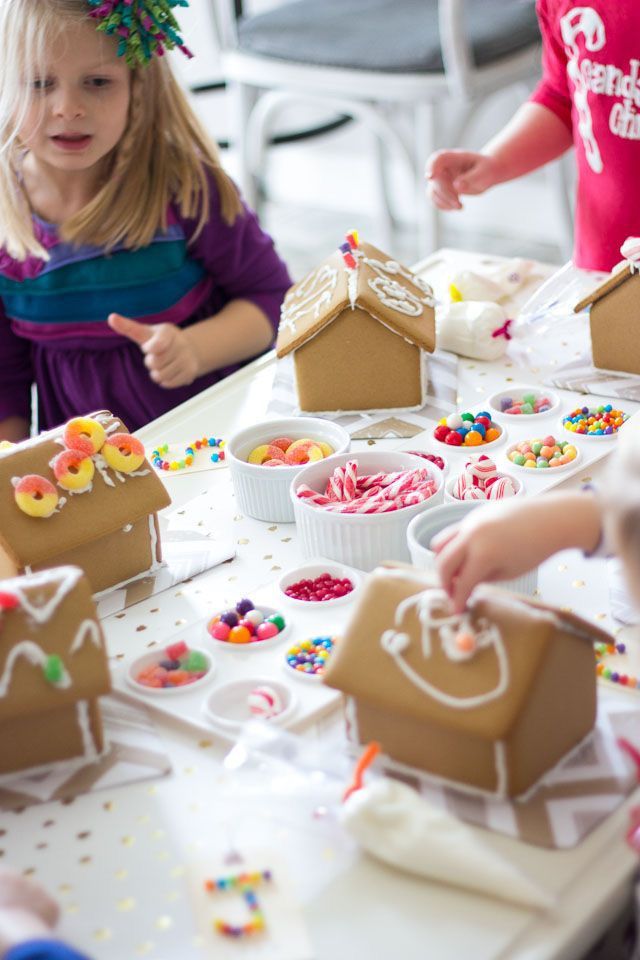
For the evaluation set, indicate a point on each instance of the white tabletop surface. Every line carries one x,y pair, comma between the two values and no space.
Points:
119,859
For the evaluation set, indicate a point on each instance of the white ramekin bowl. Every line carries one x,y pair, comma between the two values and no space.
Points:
263,492
359,540
517,392
422,528
451,482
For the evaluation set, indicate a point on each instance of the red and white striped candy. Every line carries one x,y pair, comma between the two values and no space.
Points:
350,479
264,701
462,484
501,488
482,469
474,493
335,485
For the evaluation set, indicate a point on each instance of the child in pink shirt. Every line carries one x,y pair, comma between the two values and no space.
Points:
589,97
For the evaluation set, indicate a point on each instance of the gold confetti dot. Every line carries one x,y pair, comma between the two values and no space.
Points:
178,872
141,627
84,835
238,517
205,744
585,479
120,616
102,934
155,610
471,366
243,541
537,593
286,540
508,365
164,923
180,623
508,379
276,567
65,888
47,823
125,905
562,567
85,861
41,846
28,872
268,556
371,443
273,528
578,583
567,609
71,908
601,616
128,841
144,948
152,643
121,874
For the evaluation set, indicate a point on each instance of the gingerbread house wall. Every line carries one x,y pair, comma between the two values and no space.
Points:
356,363
615,321
33,740
115,558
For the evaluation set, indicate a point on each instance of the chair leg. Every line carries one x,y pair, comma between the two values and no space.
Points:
428,219
384,217
242,99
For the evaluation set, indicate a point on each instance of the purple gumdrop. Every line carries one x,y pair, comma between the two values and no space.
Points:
505,403
230,617
243,606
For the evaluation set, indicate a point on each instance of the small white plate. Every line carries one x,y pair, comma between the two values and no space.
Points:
309,572
227,706
541,471
148,659
516,393
254,644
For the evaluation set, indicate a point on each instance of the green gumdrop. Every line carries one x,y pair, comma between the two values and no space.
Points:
467,416
277,619
529,398
519,459
536,447
526,407
196,662
53,669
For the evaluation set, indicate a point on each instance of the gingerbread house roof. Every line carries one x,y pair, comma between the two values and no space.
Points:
390,658
617,278
51,645
391,293
113,501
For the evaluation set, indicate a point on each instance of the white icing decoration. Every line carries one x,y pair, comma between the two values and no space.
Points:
391,268
103,469
310,297
88,630
128,527
630,250
394,643
37,607
36,657
393,295
88,744
352,287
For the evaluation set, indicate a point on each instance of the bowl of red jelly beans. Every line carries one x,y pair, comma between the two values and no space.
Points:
469,430
318,583
176,669
247,626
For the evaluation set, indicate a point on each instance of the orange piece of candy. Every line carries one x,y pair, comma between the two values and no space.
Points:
492,434
239,635
465,641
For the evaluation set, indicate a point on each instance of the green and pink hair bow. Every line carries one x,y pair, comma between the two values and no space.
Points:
145,28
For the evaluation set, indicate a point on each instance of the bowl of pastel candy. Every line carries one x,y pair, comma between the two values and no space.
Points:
480,480
176,669
469,431
355,508
524,402
264,458
543,453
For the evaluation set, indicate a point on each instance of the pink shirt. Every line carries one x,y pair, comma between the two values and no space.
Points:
591,81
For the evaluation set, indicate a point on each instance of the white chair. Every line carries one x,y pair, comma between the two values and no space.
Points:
374,60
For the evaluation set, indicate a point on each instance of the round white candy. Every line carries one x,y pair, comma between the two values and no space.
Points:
254,616
454,420
264,702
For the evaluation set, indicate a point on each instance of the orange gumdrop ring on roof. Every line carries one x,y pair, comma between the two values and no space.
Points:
123,452
85,434
73,470
35,495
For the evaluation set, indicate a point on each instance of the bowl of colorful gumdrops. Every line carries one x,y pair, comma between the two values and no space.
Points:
469,431
321,582
597,423
307,659
524,402
176,669
480,480
247,626
543,453
264,458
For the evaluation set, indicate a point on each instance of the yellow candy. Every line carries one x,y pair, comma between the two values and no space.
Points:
123,452
35,495
327,450
73,470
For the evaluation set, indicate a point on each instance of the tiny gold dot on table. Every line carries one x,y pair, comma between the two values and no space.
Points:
562,567
178,872
286,540
205,744
268,556
567,609
85,861
125,905
128,841
181,621
120,616
141,627
537,593
585,479
152,643
371,443
508,365
71,908
181,513
109,806
65,888
276,567
121,874
471,366
164,923
238,516
271,529
144,948
119,656
41,846
28,872
578,583
601,616
155,610
508,379
84,835
243,542
102,934
47,823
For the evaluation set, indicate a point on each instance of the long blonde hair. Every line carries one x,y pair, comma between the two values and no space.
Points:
164,154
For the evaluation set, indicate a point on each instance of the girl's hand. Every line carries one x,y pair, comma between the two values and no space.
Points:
26,910
169,353
450,173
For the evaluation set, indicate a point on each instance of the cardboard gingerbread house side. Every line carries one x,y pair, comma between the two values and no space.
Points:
614,316
481,701
357,326
53,668
108,526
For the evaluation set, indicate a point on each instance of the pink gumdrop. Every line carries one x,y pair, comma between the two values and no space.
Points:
549,441
266,630
282,442
513,411
249,626
220,630
297,456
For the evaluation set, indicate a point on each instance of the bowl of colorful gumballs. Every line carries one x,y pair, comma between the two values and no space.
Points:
595,423
321,582
264,458
543,453
176,669
247,626
469,430
524,402
307,659
232,704
480,480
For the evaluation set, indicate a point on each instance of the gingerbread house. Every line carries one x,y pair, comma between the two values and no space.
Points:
489,701
53,668
82,494
614,314
357,327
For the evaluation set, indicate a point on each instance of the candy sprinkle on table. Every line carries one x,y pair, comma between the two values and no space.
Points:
309,657
217,443
600,421
603,650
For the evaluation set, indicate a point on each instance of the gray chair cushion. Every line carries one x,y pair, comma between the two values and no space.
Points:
396,36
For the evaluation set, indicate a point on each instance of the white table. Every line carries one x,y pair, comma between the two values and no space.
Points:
118,859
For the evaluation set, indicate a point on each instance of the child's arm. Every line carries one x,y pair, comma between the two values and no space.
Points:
175,357
534,136
14,429
16,377
502,541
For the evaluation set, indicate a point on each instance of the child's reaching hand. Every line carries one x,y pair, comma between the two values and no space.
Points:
451,173
170,355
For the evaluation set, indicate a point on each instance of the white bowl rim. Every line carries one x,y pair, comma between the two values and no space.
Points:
253,644
334,567
537,472
521,388
250,682
144,659
301,425
355,518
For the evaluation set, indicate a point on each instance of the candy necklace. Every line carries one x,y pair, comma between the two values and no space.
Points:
190,452
601,650
245,884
